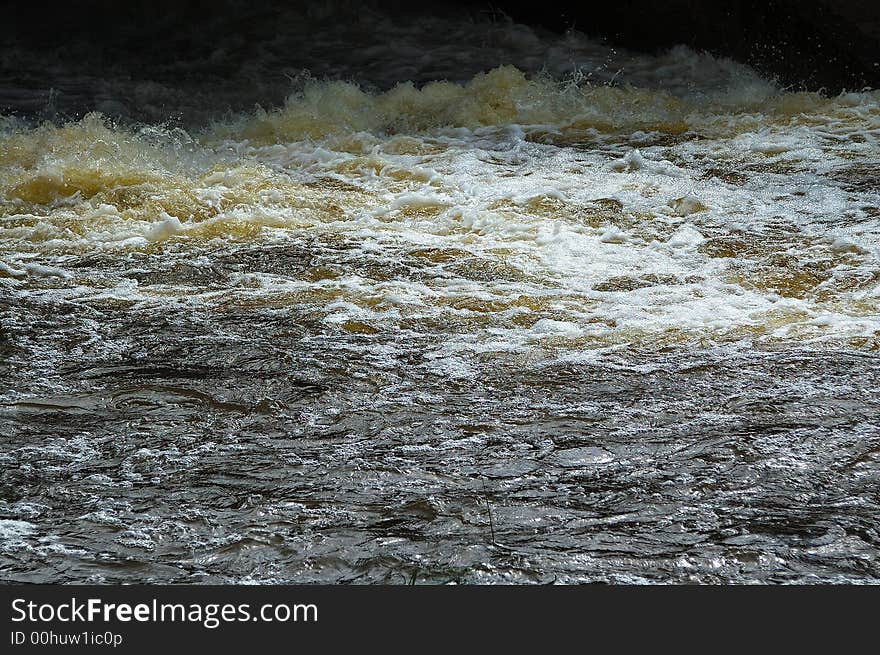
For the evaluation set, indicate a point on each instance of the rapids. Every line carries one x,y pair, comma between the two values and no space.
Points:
583,315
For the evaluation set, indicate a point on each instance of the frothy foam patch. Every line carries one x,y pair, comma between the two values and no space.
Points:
509,209
15,535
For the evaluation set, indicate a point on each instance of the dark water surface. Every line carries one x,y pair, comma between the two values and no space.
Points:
246,446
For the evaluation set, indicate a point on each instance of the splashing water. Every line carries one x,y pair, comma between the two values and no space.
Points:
638,323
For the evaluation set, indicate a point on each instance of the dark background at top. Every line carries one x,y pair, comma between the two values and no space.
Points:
818,45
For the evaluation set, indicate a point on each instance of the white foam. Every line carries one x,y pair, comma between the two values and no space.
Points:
164,228
15,535
518,209
685,236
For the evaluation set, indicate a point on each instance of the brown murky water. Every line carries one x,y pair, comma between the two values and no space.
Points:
519,327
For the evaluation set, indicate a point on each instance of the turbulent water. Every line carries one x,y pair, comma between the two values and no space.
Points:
580,315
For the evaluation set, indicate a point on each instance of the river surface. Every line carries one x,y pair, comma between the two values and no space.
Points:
519,308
